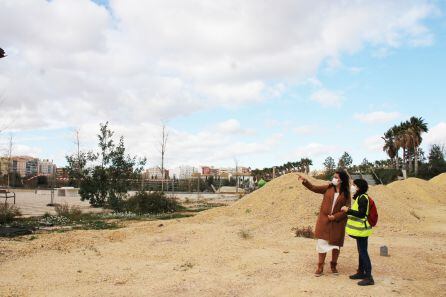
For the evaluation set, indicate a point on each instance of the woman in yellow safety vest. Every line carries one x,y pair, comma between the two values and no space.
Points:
359,228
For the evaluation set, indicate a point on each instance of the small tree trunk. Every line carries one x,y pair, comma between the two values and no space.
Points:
416,159
404,159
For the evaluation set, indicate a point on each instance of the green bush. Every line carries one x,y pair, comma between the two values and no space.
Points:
8,212
152,203
428,171
73,213
386,175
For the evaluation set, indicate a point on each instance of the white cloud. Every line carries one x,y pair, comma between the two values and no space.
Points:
233,126
377,117
306,129
78,61
436,135
229,126
373,143
327,98
314,150
73,63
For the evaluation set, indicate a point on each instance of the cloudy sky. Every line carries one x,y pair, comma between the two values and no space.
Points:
263,82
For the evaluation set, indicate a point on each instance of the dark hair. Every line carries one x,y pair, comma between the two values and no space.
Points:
345,182
362,185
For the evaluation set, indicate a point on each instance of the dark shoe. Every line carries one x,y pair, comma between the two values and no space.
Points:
357,275
367,282
320,270
333,268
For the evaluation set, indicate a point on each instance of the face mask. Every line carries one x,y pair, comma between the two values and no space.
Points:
353,189
335,181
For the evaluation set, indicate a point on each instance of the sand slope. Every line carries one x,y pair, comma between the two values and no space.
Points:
206,256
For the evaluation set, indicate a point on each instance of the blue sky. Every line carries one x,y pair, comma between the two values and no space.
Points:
227,85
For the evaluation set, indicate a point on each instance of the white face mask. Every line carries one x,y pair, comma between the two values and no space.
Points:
353,189
335,181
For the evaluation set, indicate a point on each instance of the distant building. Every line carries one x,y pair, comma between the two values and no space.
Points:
46,167
184,172
209,171
32,167
155,174
24,165
4,165
28,166
62,173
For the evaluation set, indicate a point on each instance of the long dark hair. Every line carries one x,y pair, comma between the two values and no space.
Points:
362,185
345,182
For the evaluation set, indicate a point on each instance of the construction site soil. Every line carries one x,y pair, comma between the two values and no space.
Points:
245,249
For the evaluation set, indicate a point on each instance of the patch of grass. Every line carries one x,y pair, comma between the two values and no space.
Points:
247,210
204,206
413,213
306,232
8,212
186,266
173,216
98,225
245,234
73,213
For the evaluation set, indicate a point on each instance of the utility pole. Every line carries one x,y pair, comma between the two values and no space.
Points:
9,159
78,163
236,175
165,135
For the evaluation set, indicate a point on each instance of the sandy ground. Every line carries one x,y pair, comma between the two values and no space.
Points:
206,255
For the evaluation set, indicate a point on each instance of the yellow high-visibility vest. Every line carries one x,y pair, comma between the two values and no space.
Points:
356,226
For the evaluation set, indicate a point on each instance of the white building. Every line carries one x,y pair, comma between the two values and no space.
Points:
184,171
155,173
46,167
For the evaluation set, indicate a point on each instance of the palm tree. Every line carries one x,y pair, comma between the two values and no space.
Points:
403,140
416,127
390,146
306,162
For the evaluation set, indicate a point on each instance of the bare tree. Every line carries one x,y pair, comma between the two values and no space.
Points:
163,145
78,163
236,175
10,144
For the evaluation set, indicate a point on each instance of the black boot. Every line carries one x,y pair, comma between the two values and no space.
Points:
368,281
358,275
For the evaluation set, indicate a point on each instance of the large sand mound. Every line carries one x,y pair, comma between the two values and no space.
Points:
283,200
439,180
286,202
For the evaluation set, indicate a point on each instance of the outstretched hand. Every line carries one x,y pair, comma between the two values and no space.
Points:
301,178
344,208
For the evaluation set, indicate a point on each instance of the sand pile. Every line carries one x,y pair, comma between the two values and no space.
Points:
283,201
286,202
440,182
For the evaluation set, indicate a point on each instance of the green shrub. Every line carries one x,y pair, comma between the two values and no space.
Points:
73,213
8,212
428,171
386,175
152,203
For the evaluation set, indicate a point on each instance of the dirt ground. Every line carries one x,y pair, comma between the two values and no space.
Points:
246,249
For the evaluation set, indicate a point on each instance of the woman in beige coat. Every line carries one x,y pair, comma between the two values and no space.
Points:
330,225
